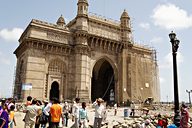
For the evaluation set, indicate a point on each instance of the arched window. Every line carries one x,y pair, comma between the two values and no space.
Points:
56,66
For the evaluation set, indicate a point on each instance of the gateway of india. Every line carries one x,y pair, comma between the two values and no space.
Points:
89,57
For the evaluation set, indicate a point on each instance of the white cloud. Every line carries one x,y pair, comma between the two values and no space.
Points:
156,40
11,35
145,26
168,60
170,16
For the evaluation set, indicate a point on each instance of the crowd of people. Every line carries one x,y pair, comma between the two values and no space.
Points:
53,114
7,113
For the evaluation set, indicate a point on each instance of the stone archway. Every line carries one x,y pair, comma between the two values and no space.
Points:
103,82
56,79
54,92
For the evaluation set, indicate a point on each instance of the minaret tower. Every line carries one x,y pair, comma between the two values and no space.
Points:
82,15
125,27
82,59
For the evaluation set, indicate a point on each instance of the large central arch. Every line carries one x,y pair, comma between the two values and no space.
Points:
103,81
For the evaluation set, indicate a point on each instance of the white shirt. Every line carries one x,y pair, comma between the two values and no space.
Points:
75,110
47,109
99,110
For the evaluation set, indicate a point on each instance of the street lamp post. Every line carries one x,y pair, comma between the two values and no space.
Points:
189,92
175,45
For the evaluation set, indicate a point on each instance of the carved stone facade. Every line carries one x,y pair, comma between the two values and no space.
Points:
89,57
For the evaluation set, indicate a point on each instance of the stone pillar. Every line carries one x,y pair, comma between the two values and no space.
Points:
82,68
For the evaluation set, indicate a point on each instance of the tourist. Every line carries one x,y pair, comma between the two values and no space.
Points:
10,103
31,113
132,109
65,114
184,116
56,113
12,116
83,116
99,111
75,113
44,118
46,111
115,108
37,123
4,116
29,101
146,124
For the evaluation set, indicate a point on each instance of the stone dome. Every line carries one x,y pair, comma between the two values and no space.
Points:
124,14
61,21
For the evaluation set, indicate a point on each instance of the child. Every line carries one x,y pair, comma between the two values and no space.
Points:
83,116
12,116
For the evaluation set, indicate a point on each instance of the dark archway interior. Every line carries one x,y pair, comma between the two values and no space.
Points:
102,83
54,92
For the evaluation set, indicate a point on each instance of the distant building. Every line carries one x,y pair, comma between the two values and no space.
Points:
89,57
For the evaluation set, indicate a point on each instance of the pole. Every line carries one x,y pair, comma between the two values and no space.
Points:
189,93
176,96
175,45
189,98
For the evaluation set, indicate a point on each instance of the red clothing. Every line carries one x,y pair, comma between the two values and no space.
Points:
160,122
184,118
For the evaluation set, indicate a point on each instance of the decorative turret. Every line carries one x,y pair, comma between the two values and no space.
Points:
125,26
82,15
61,21
82,8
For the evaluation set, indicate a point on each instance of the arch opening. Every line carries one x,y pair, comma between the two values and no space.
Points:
54,92
103,82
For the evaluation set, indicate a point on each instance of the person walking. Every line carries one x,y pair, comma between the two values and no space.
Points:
75,113
44,118
56,113
12,117
184,116
132,109
65,114
83,116
4,116
31,113
115,108
46,111
99,111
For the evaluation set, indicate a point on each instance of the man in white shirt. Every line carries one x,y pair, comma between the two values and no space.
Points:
99,112
75,112
46,111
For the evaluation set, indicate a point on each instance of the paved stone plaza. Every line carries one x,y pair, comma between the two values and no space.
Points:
111,119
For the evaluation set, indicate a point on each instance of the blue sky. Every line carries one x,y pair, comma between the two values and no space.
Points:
152,21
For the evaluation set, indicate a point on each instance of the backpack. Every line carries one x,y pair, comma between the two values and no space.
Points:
43,119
